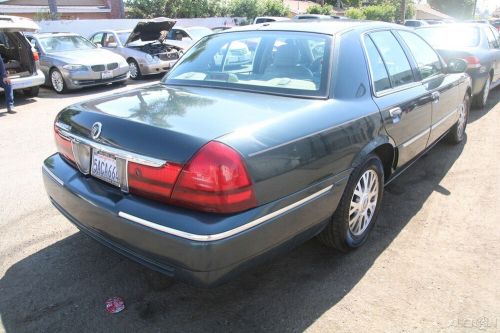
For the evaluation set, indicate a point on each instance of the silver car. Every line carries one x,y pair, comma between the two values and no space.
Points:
70,61
145,47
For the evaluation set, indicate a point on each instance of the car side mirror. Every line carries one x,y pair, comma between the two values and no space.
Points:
456,66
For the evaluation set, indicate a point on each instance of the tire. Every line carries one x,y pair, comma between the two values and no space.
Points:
457,132
119,83
345,231
57,81
481,99
135,72
31,92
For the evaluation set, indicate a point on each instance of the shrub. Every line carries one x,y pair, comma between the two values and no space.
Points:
355,13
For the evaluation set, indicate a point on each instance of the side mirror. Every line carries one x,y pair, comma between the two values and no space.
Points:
456,66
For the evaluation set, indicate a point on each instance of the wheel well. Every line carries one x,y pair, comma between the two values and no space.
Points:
386,153
130,59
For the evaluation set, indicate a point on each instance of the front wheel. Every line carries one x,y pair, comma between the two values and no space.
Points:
57,81
482,98
133,67
358,208
457,132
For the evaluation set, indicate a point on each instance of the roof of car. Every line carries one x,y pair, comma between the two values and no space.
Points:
454,25
329,27
49,34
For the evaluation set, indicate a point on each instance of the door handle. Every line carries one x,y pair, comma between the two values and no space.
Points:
435,96
395,112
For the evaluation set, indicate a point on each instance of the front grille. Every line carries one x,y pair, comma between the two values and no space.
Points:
169,56
98,68
112,66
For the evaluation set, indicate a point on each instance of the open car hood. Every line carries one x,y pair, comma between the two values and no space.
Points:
15,23
150,30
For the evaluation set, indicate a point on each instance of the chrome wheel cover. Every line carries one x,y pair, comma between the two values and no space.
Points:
363,202
57,81
462,119
132,67
486,91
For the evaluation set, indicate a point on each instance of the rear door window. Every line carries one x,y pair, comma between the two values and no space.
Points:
395,60
379,74
427,60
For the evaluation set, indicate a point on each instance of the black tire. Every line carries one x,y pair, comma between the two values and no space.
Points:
134,75
457,132
337,234
120,83
60,89
31,92
481,99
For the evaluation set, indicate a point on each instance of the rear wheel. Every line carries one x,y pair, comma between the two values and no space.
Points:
457,132
57,81
31,92
358,209
482,98
133,67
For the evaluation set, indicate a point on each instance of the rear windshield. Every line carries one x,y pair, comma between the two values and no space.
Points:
450,37
291,63
65,43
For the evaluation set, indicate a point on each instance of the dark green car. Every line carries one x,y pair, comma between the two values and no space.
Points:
223,164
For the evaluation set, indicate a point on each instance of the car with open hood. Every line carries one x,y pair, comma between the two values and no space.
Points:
145,48
70,61
20,59
219,167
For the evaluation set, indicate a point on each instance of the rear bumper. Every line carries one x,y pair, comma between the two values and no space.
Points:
204,249
35,80
478,80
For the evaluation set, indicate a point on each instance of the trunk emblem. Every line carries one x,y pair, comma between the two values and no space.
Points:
96,130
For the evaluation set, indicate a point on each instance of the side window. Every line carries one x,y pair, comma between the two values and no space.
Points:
496,35
395,60
97,39
492,42
379,73
427,60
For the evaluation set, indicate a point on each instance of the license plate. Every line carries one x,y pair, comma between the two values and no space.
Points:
107,75
104,167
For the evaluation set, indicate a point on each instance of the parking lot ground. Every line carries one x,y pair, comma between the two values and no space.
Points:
431,264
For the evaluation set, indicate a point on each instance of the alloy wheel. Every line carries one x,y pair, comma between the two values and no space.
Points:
363,202
462,119
57,81
486,91
132,67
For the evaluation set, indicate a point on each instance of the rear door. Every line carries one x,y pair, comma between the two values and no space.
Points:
404,103
494,44
442,88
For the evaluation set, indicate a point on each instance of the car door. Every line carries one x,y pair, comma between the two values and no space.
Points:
45,63
494,44
404,104
442,88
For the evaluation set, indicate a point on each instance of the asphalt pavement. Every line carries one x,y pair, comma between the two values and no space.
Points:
431,263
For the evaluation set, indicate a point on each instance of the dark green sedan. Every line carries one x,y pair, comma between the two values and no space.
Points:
226,163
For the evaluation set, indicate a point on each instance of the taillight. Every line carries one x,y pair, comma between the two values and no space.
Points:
36,57
473,62
215,180
64,146
152,182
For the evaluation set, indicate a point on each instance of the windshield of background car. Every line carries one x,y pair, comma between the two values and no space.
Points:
65,43
198,33
123,36
451,37
291,63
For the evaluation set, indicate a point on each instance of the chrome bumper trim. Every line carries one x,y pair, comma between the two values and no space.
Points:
226,234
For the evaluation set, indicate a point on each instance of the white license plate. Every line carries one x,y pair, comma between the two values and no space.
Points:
104,167
107,75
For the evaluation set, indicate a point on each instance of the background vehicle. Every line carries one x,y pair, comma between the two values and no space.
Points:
496,24
478,44
70,61
21,61
189,35
416,23
238,54
264,19
312,17
219,167
219,29
145,47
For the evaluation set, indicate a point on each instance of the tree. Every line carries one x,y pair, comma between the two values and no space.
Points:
146,8
355,14
461,9
272,8
317,9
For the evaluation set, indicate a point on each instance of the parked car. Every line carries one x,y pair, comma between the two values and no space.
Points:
70,61
478,44
188,35
264,19
223,28
145,47
312,17
216,169
21,61
496,24
416,23
238,54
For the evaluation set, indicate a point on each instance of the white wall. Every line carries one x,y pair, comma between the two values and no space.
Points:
88,27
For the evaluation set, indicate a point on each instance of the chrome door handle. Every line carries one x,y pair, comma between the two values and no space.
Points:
395,112
435,96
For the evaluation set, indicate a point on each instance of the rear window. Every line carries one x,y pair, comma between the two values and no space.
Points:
450,37
271,62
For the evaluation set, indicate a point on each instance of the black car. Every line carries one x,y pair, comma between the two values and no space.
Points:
222,164
478,44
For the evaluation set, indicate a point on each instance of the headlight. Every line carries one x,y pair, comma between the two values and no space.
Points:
150,58
75,67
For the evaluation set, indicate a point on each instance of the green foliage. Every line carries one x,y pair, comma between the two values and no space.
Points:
145,8
355,14
318,9
272,8
461,9
380,13
243,8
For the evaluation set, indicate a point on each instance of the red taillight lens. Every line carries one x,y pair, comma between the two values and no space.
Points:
36,57
215,180
473,62
152,182
64,146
